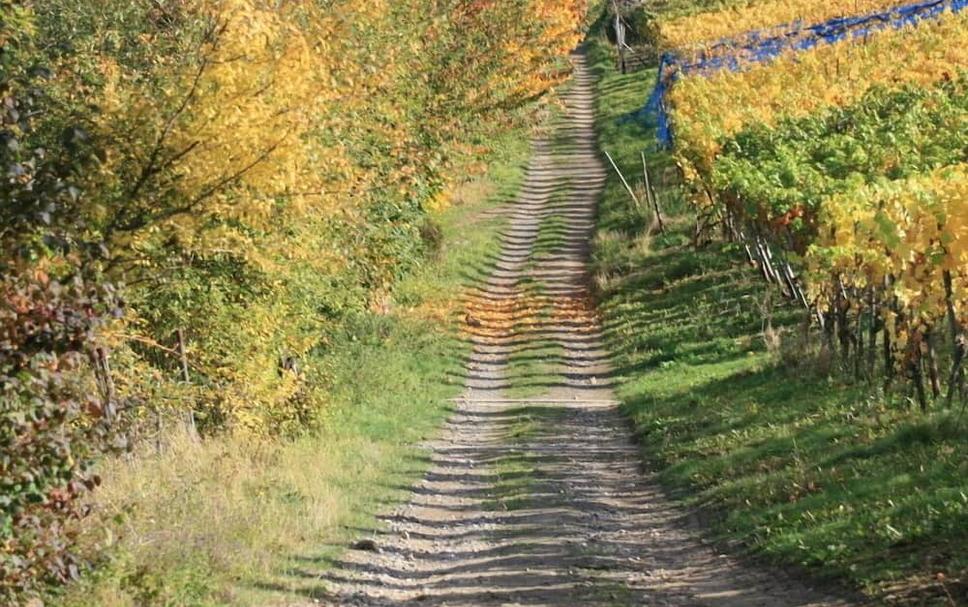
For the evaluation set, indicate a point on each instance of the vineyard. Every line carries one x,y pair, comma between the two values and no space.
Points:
333,302
846,155
824,144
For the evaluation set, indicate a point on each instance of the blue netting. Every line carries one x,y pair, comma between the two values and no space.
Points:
763,45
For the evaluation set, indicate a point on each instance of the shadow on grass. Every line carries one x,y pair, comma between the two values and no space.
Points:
800,465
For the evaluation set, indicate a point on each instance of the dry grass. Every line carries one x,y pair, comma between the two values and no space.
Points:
226,508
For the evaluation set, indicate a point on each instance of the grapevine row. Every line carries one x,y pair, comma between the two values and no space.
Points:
781,176
708,109
847,160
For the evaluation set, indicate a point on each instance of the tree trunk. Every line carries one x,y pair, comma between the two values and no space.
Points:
932,363
872,337
858,339
956,379
888,359
187,378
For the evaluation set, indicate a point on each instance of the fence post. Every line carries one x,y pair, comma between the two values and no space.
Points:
619,36
653,198
628,188
102,373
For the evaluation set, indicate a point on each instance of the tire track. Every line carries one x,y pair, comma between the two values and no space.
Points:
542,501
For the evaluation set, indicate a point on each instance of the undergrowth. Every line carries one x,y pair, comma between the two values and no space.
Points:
231,521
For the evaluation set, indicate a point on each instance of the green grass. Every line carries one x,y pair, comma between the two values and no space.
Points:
536,362
514,470
532,367
514,477
551,235
746,420
233,520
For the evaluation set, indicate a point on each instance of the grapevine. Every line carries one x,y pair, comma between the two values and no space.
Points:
849,156
779,176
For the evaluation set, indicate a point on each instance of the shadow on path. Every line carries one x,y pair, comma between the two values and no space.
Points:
541,500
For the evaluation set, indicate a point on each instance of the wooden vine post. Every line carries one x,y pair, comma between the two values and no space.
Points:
653,198
958,342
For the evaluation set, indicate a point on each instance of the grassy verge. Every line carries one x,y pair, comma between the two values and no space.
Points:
232,521
741,414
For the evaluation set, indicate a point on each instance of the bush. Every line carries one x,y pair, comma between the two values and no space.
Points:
52,420
51,425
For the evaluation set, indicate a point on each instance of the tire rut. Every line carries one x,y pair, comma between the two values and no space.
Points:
542,500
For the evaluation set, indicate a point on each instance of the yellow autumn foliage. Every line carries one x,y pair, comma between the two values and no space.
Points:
238,122
285,157
905,234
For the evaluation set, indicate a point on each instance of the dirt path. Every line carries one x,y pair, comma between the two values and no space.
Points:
541,501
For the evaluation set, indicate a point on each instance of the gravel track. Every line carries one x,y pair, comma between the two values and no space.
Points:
543,501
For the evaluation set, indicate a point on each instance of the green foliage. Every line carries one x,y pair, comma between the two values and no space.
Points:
780,175
670,9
